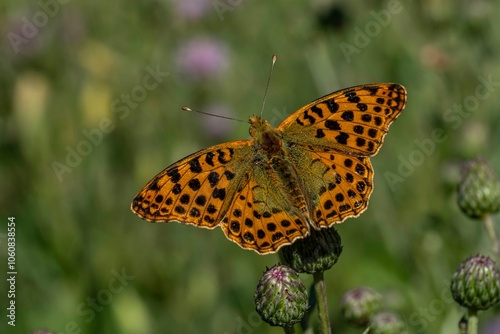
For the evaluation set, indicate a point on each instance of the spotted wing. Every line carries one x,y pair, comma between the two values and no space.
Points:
337,185
262,216
198,189
353,120
227,185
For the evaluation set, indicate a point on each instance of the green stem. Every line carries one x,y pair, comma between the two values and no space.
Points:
490,229
320,289
472,322
289,330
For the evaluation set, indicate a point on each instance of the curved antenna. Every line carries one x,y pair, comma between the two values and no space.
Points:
267,85
214,115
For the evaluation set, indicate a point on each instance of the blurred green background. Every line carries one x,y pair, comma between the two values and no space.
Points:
84,125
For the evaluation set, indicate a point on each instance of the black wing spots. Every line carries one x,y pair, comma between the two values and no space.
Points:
317,110
349,177
391,103
194,184
362,107
348,163
261,234
322,190
351,193
176,189
285,223
338,197
265,245
352,97
180,209
310,118
159,198
338,178
371,146
347,116
358,129
219,193
185,199
320,133
366,118
344,207
271,227
373,90
229,175
169,201
328,205
372,133
237,213
378,120
396,88
256,214
332,125
361,186
277,236
139,199
360,142
331,214
209,219
231,152
332,106
249,238
211,209
209,158
201,200
357,204
194,212
360,169
174,175
194,166
299,122
213,178
377,109
248,222
234,226
224,155
380,100
341,138
350,93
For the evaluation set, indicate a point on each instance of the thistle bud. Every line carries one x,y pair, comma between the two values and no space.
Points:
316,253
478,190
281,297
387,323
358,305
476,283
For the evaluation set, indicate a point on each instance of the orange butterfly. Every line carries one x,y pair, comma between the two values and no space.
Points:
312,171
